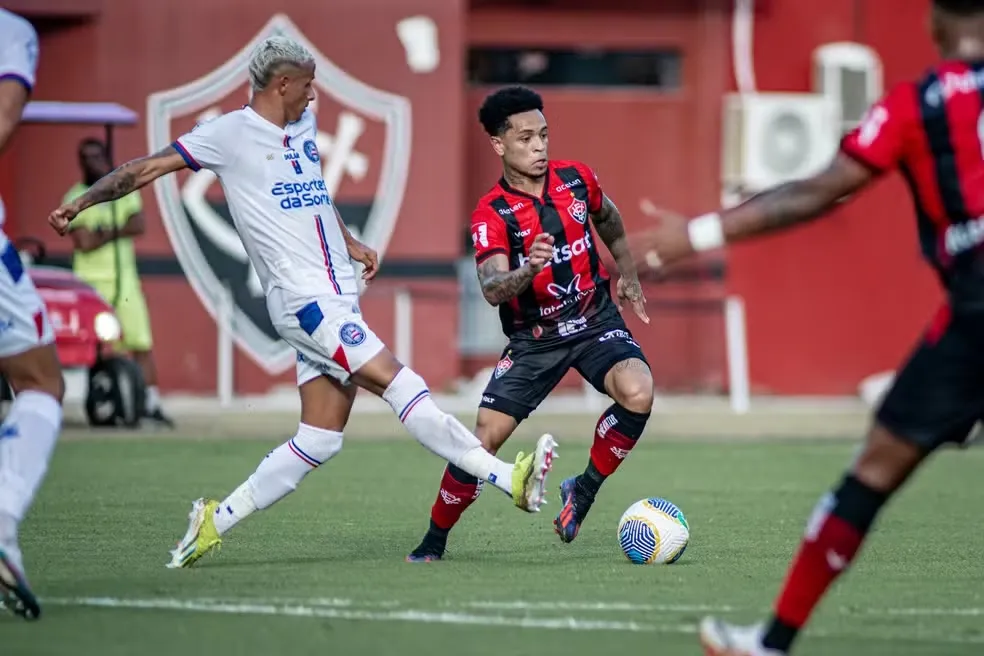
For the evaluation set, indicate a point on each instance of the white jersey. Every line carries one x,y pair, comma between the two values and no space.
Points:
18,56
278,200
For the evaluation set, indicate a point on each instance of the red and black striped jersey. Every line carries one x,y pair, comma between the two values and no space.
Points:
573,289
933,132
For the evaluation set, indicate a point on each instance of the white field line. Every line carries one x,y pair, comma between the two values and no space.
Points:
396,611
526,606
616,607
403,615
597,606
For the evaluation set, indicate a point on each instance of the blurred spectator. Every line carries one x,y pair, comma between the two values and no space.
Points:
104,258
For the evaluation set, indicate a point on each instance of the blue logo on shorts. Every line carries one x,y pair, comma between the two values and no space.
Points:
311,150
351,334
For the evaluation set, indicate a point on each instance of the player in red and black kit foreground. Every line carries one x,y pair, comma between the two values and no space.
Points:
538,262
931,131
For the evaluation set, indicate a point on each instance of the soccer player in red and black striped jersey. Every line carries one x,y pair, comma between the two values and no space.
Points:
932,131
538,261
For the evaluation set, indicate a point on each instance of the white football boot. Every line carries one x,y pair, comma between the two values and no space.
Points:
721,639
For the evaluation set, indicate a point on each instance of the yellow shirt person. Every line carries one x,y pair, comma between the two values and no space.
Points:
105,258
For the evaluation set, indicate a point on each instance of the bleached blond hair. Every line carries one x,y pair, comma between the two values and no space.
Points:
274,53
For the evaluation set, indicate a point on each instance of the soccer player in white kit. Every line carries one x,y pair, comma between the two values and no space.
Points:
28,359
267,162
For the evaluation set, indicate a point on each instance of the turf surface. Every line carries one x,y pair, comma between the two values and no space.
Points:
323,570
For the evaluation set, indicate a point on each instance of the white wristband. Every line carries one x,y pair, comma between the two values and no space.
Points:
706,232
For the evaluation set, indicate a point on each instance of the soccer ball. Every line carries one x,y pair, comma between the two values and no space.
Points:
653,531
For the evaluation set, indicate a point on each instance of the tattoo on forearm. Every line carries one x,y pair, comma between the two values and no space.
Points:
112,186
500,286
611,230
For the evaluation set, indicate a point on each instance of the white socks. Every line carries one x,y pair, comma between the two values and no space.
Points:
283,468
441,433
278,474
27,439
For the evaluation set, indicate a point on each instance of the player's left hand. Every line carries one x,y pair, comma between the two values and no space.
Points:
62,217
663,245
367,257
631,291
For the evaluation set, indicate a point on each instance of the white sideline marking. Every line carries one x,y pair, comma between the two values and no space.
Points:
596,606
490,605
599,606
928,612
406,615
348,609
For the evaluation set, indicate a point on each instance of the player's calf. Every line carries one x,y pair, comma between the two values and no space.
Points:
459,489
277,475
27,439
407,394
616,433
29,432
837,529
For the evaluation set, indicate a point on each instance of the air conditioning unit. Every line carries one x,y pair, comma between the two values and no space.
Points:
770,138
850,74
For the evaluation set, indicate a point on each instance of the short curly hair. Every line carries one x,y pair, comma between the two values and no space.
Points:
960,7
500,105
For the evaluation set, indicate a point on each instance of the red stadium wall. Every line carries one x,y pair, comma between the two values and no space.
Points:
845,297
136,49
640,144
827,304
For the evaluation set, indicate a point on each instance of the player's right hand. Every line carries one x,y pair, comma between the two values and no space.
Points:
541,251
62,217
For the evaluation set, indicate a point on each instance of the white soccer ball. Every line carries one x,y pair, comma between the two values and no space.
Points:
653,531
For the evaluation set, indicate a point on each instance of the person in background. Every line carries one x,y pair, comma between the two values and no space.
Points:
104,258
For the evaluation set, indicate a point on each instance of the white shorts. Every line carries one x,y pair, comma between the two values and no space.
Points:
328,332
24,323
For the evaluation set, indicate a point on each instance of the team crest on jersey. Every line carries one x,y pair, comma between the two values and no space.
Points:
578,210
362,147
311,150
351,334
503,365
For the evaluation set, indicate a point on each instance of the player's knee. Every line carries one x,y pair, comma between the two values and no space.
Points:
317,444
886,460
404,390
630,384
636,394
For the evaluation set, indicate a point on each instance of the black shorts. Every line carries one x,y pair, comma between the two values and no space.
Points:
938,395
527,372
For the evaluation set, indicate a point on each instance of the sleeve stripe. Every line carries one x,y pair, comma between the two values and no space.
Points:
18,78
189,160
484,255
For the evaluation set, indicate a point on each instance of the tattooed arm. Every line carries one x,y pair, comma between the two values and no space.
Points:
796,202
499,284
781,207
118,183
611,230
131,176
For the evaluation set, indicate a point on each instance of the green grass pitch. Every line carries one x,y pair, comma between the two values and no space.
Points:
323,571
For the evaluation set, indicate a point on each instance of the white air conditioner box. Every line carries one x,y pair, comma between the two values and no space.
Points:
770,138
